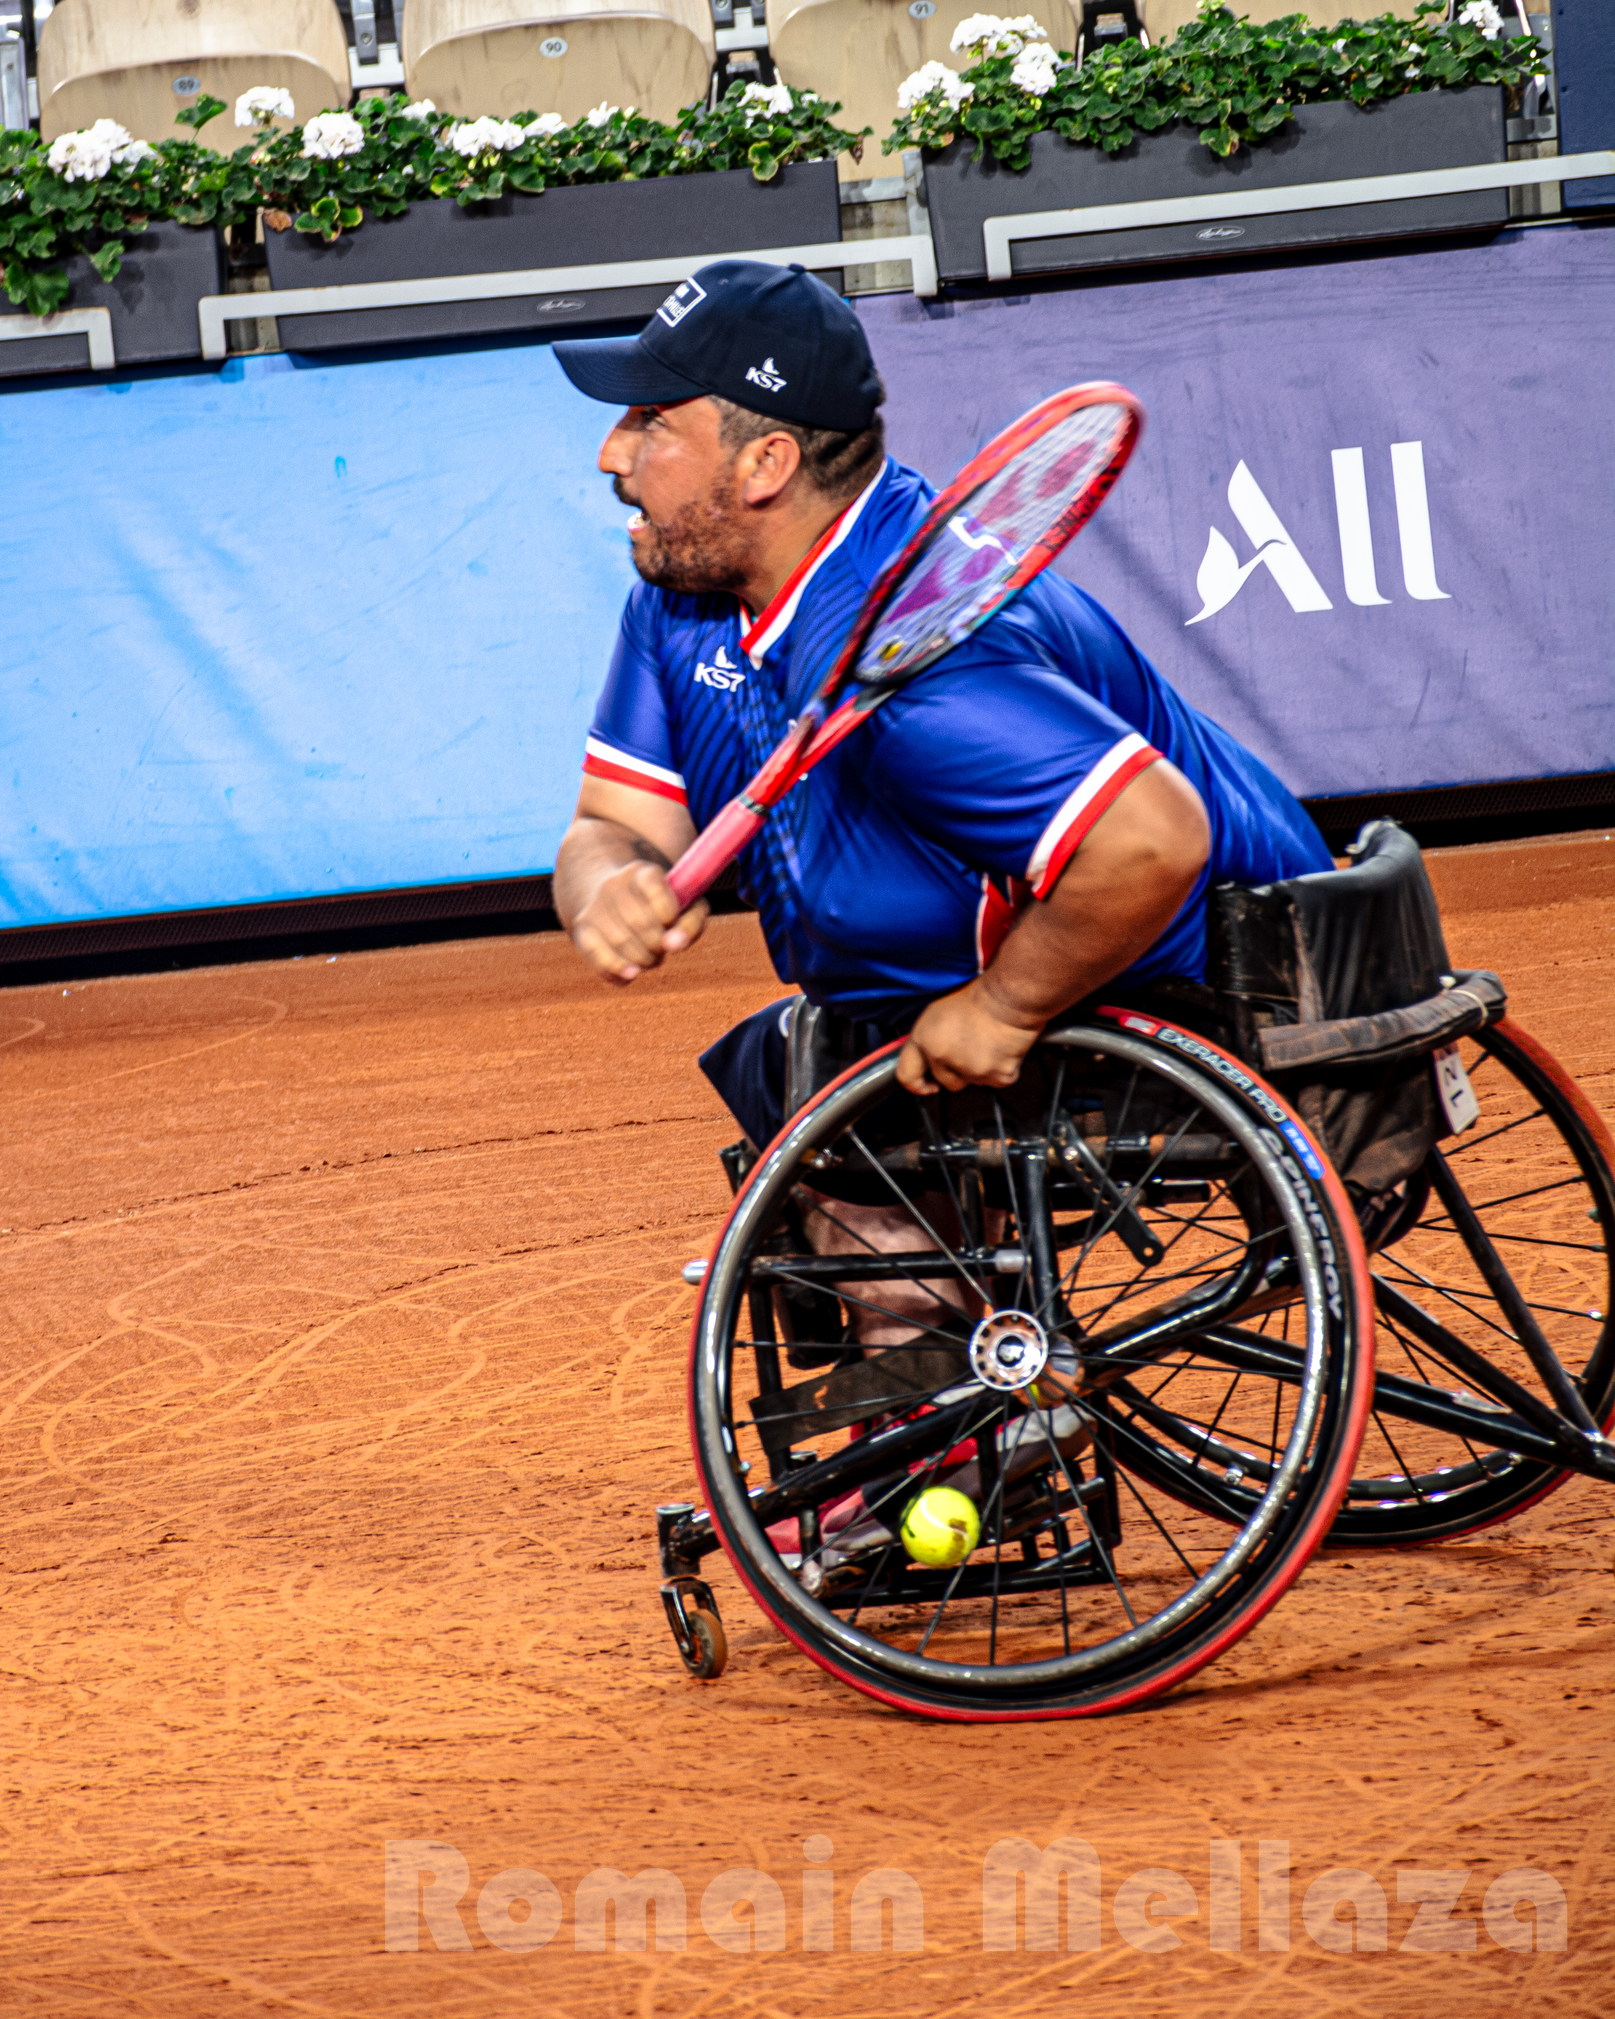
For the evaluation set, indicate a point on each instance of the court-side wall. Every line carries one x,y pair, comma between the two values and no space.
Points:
302,628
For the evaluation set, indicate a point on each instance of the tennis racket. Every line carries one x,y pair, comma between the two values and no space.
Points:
1012,508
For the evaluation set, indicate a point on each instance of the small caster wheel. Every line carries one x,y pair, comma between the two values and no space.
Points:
708,1648
692,1613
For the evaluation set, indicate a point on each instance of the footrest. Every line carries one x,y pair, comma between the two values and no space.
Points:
1474,1000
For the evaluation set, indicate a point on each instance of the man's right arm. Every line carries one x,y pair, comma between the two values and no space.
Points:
611,883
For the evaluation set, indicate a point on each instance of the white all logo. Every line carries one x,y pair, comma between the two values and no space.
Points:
723,673
1222,575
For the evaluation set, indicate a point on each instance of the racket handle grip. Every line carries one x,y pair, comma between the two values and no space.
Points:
712,851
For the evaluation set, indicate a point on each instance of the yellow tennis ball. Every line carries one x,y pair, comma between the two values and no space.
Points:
940,1527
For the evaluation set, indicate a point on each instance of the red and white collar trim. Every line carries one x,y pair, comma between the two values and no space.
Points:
766,631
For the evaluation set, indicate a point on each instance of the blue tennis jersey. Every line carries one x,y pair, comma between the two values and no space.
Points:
890,874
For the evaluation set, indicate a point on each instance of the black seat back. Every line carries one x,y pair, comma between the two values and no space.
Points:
1341,943
1338,943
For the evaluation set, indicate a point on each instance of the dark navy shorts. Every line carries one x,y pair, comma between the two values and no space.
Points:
747,1064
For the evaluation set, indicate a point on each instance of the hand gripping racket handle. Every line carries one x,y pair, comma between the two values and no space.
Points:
712,851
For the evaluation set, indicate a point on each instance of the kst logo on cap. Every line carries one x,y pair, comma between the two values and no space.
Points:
767,375
679,303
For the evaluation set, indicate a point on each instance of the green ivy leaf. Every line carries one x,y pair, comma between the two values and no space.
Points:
198,115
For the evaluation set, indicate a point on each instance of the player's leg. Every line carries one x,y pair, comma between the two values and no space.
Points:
766,1068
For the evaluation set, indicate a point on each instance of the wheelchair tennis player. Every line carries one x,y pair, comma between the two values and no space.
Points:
1032,817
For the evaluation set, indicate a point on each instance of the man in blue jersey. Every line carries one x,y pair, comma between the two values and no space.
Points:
1036,815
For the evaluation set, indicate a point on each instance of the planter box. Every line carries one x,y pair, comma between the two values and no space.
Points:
706,215
165,272
1322,143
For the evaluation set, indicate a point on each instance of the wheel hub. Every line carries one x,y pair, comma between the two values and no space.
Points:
1009,1350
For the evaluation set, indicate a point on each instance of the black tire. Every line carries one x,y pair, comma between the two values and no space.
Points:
1535,1171
1187,1191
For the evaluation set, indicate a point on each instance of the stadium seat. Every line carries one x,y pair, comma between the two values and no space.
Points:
142,61
859,51
502,56
1163,18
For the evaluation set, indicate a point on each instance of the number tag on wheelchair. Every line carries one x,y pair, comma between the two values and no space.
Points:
1458,1102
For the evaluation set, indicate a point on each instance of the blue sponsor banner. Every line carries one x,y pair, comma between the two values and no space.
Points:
1369,527
300,629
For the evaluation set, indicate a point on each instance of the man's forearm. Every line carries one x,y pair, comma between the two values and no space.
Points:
1115,897
1070,944
591,850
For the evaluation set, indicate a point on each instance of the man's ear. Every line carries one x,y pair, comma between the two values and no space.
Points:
766,465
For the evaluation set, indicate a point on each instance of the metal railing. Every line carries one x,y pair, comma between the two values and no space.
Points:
1001,234
94,323
214,311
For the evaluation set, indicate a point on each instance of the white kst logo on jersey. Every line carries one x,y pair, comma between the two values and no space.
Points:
766,375
723,673
679,303
1222,575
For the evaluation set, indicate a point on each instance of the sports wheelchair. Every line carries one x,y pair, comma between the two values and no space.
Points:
1134,1303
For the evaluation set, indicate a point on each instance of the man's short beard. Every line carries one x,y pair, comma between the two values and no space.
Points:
702,549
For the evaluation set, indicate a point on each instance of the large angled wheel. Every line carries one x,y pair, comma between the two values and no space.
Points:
1496,1347
1052,1314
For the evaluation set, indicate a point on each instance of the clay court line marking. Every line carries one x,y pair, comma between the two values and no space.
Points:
221,1973
242,1188
51,1370
235,1038
281,1362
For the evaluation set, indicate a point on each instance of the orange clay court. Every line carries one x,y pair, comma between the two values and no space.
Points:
343,1367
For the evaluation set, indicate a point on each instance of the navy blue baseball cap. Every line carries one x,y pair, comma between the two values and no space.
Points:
771,338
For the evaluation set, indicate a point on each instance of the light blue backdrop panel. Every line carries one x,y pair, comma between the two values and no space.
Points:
297,629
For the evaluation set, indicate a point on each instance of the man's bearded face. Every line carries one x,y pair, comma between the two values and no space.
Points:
694,548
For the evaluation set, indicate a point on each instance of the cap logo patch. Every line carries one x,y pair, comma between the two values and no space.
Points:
767,375
679,303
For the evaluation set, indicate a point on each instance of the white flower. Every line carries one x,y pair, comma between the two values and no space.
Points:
933,77
773,99
78,157
1035,71
329,136
601,114
263,103
423,109
1483,15
486,136
86,156
547,122
124,149
993,35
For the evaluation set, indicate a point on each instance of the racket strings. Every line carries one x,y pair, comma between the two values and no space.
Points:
976,553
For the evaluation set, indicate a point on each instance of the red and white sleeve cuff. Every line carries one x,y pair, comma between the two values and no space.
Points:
602,761
1071,826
